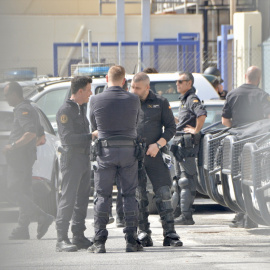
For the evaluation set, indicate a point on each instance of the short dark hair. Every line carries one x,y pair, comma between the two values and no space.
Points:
79,82
189,76
15,87
150,70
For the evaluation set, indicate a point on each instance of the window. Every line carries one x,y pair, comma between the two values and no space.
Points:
99,90
51,101
165,89
6,121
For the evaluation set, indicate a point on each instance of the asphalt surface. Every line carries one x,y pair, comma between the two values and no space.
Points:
209,244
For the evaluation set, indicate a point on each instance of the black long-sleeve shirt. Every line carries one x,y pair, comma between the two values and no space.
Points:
155,115
73,125
114,113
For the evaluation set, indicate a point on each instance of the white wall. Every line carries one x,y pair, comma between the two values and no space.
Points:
242,21
28,40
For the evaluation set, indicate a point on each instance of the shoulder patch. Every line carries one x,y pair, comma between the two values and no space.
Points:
195,100
63,119
25,113
170,107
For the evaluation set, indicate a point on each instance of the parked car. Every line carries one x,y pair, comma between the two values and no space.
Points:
164,84
46,174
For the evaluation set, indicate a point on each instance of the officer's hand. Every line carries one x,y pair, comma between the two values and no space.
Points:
7,148
94,134
41,140
189,129
152,150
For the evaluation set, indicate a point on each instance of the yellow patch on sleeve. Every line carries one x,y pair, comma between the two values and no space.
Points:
24,113
195,100
63,119
170,107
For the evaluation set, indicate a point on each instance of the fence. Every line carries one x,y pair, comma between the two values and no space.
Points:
166,55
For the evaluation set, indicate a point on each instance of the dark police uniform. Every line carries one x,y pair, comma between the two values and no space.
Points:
187,149
114,113
73,129
20,162
246,104
155,115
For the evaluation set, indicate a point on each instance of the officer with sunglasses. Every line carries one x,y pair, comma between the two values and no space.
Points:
191,119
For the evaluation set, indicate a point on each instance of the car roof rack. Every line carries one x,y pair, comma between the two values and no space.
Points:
42,85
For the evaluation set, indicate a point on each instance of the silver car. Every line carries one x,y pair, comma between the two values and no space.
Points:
46,173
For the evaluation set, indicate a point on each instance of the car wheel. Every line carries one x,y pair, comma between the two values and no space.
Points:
152,203
49,203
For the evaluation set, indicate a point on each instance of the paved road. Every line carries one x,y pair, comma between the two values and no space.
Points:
209,244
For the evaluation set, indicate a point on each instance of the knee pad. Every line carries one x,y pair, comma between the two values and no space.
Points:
163,193
175,184
183,182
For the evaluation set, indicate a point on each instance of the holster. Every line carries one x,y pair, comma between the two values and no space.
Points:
140,149
95,150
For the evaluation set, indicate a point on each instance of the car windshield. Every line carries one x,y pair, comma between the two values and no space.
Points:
213,115
166,89
6,121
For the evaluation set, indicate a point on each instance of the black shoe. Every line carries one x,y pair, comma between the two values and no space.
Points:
97,247
65,246
81,241
20,233
120,222
132,243
184,220
172,242
44,222
145,239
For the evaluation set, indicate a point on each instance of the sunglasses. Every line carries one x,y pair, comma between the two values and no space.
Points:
181,81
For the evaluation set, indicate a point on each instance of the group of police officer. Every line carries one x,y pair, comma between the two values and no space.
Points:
130,132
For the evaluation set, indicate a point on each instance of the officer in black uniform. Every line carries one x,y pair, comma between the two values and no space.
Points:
155,115
192,115
114,113
73,129
26,134
244,105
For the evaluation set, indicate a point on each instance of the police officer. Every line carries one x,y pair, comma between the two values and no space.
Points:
191,116
244,105
26,134
214,77
155,115
73,129
114,113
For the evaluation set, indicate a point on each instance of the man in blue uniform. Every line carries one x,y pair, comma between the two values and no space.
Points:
26,134
191,118
73,129
245,105
157,127
114,113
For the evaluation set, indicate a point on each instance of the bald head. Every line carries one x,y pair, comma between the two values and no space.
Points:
253,75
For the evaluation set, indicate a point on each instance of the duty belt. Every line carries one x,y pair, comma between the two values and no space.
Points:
80,150
117,143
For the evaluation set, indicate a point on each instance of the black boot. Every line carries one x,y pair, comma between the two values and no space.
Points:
177,212
98,246
120,221
145,238
63,244
44,222
238,221
132,242
184,219
172,239
20,233
81,241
